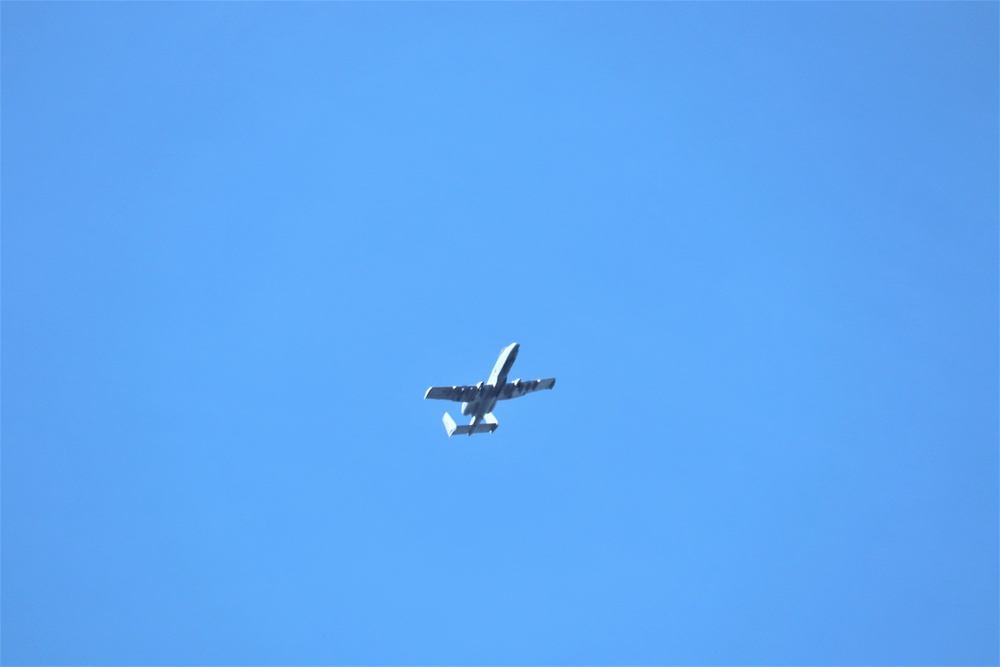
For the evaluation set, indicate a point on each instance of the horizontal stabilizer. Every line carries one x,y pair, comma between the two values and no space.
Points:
488,425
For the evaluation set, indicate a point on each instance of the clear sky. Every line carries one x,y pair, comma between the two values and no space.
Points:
757,245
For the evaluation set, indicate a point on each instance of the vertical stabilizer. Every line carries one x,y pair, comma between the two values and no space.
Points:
449,424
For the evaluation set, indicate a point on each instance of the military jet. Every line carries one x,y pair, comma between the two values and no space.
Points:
480,399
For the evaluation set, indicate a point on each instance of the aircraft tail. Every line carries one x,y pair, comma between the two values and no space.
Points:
488,425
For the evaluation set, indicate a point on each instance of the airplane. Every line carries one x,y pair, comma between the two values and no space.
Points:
480,399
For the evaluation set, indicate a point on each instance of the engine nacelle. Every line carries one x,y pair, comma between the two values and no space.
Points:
466,408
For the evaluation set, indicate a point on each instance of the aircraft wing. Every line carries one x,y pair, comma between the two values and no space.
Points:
522,387
461,393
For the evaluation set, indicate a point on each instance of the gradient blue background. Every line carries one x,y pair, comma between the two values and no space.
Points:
757,244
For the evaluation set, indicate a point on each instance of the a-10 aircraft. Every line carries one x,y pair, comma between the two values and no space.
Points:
480,399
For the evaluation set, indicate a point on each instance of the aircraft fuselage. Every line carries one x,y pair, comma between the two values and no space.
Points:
489,392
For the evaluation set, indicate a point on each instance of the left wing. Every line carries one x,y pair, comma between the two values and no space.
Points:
461,393
522,387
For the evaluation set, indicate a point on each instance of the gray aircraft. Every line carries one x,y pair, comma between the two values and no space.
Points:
480,399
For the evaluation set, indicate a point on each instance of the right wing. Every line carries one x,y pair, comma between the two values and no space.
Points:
522,387
461,394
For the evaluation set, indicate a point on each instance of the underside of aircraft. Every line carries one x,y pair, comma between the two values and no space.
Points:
479,400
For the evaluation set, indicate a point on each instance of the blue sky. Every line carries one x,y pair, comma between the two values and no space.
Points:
757,244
